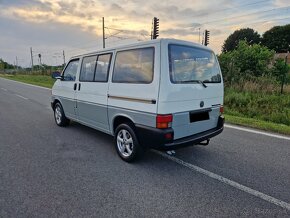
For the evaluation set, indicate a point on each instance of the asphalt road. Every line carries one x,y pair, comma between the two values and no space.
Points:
49,171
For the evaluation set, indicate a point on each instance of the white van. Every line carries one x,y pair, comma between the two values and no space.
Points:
161,94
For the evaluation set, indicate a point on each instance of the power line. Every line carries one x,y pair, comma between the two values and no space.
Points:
245,15
265,21
109,28
226,9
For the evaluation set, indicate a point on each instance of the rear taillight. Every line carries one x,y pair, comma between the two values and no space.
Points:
164,121
221,109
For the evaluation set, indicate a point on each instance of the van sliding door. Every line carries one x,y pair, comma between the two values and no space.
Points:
92,91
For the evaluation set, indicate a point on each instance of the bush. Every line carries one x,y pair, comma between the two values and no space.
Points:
265,84
246,60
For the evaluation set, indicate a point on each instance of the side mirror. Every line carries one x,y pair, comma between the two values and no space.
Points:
56,75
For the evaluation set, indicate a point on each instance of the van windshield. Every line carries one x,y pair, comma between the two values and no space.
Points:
191,65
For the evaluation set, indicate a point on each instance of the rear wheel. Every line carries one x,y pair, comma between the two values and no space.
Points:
127,145
59,116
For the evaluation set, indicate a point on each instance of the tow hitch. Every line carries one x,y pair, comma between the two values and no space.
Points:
204,143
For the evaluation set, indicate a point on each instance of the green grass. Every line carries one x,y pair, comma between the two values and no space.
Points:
273,107
269,112
258,124
39,80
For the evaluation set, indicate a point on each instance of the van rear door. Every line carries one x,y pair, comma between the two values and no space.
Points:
191,88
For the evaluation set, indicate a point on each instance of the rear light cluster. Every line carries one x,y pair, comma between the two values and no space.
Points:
221,109
164,121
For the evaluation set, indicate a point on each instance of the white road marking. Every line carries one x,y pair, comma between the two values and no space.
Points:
229,182
4,89
256,132
20,96
26,84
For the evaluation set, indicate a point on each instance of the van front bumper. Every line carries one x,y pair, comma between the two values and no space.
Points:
156,138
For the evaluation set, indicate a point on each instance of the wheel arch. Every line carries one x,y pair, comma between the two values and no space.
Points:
55,100
119,119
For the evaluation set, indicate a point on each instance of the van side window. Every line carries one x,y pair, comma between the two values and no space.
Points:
88,69
70,71
103,67
134,66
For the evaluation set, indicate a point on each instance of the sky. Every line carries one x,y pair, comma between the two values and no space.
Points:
75,26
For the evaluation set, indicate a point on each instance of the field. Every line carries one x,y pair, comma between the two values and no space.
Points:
266,111
40,80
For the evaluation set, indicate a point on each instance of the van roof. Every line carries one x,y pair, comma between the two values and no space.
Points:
149,42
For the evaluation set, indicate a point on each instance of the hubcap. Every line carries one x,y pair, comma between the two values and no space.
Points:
125,143
57,114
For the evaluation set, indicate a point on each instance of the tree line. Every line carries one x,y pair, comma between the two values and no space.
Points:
277,39
5,65
247,56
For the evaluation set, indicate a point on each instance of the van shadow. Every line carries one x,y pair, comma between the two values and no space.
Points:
96,140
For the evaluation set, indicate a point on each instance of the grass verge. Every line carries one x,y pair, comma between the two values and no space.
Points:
269,107
39,80
47,81
258,124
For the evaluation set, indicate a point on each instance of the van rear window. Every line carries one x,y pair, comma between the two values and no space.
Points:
190,65
134,66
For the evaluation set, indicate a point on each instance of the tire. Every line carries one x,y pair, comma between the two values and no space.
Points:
126,143
59,116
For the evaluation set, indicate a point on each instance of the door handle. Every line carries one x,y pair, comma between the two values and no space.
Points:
75,86
79,86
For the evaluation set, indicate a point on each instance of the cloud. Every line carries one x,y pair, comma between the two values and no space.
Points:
51,21
116,7
281,3
46,39
178,32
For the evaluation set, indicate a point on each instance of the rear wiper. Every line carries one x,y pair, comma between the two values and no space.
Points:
196,81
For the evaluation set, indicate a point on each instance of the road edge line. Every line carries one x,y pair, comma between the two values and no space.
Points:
226,181
256,131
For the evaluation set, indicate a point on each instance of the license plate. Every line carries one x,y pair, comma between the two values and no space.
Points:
198,116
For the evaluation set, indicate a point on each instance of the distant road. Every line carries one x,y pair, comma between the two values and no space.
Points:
48,171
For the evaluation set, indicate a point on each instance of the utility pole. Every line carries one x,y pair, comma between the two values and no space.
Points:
104,43
151,35
31,58
206,37
39,56
155,28
199,35
16,63
63,55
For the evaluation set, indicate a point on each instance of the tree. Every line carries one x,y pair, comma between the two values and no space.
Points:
1,64
246,60
277,38
249,35
5,65
280,71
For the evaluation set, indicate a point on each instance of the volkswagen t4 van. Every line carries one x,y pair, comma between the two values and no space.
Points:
161,94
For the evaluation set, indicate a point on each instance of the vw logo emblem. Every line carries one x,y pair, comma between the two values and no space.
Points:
201,104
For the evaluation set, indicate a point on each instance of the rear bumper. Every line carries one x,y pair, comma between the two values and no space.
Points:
155,138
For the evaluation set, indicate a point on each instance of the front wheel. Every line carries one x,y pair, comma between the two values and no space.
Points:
126,143
59,116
